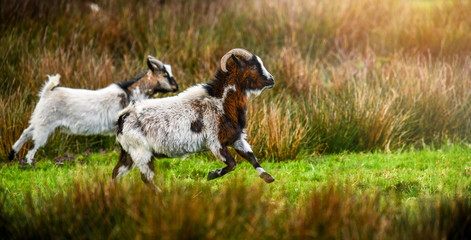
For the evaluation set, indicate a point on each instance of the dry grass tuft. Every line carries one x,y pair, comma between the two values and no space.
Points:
276,129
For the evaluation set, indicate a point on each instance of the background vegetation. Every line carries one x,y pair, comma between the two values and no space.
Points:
355,80
356,75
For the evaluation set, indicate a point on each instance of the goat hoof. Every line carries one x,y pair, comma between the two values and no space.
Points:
212,175
11,155
33,165
22,164
267,177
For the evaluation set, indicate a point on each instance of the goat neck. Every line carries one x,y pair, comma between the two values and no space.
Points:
228,87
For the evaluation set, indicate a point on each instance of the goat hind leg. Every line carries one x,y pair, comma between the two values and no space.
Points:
26,135
146,167
40,136
123,167
147,176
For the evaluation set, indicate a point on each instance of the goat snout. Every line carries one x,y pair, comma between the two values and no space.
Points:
271,82
175,88
174,85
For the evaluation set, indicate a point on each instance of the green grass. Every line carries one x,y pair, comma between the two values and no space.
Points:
366,195
406,175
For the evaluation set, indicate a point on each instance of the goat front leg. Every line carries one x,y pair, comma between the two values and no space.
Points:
243,148
223,154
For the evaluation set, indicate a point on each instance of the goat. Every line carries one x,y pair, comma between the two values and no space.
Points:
206,116
89,112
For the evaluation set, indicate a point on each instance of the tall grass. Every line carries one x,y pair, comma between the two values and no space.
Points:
370,104
355,75
100,210
277,129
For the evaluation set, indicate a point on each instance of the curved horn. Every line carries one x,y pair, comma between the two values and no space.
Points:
155,61
246,55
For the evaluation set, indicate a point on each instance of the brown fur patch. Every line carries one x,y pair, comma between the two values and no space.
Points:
234,119
197,126
123,100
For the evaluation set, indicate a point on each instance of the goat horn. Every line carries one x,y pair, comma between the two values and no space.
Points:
159,64
246,55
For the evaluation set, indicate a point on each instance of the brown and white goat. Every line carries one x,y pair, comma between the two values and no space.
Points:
209,116
89,112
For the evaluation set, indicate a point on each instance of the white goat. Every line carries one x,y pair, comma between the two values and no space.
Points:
88,112
209,116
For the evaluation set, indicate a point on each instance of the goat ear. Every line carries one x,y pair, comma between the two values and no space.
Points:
153,63
239,63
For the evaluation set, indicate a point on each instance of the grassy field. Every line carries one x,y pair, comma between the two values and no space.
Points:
406,175
403,191
367,130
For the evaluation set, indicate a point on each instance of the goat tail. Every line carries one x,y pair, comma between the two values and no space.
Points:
126,110
50,84
122,116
